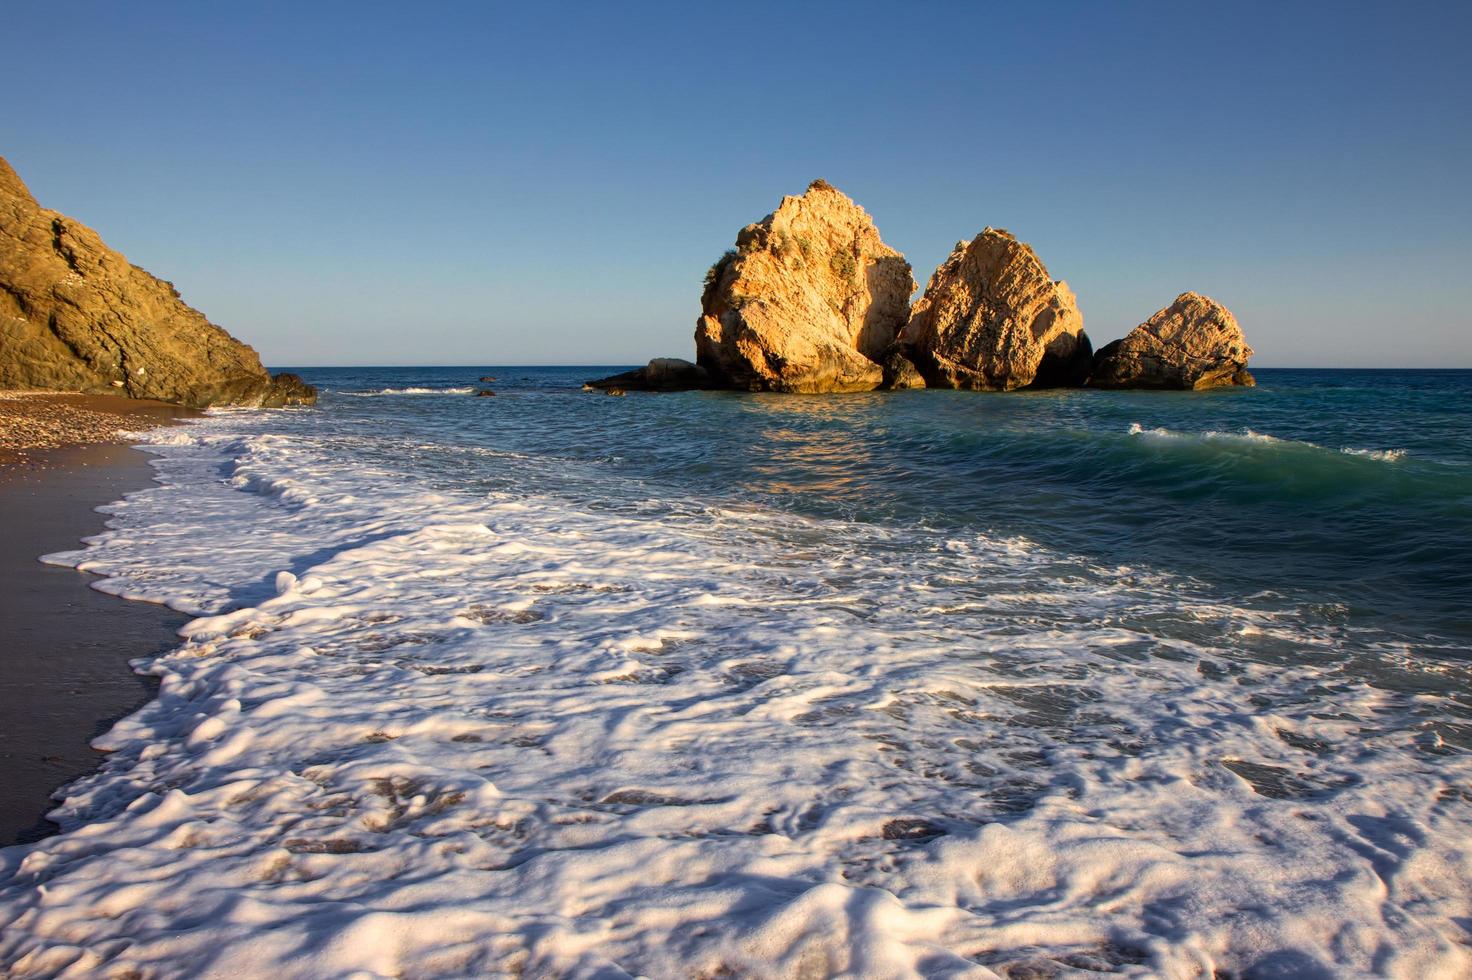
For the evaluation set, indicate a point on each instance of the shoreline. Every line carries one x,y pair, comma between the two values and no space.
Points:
68,647
34,421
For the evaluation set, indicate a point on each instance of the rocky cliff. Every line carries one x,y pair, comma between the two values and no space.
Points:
77,316
808,301
1194,343
992,319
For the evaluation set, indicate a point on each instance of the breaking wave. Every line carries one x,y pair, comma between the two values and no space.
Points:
1249,437
409,391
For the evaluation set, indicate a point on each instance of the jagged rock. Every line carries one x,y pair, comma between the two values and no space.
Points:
1193,343
992,319
807,301
660,374
288,389
899,370
77,316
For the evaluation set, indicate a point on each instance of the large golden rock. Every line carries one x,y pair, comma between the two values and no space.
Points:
992,319
808,301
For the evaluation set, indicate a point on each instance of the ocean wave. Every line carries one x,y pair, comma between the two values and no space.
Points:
409,391
1250,437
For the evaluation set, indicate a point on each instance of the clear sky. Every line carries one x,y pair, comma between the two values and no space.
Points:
489,183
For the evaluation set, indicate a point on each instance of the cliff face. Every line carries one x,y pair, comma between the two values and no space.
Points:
1194,343
992,319
807,302
77,316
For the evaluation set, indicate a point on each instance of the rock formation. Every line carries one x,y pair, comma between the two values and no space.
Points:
660,374
77,316
808,300
1194,343
992,319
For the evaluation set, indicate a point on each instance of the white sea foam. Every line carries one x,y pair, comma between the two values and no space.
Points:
409,391
1388,455
1250,437
1245,436
420,732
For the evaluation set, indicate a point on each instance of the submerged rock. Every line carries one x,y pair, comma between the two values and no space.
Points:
1194,343
808,300
77,316
992,319
660,374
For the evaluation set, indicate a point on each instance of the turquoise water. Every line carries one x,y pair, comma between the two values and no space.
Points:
1347,494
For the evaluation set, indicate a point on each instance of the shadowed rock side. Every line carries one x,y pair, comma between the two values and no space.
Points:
1194,343
900,372
808,301
77,316
992,319
660,374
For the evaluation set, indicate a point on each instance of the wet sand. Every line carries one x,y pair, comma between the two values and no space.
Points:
64,647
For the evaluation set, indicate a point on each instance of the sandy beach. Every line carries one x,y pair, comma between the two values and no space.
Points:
66,648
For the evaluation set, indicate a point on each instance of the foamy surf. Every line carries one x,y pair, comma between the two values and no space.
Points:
425,731
1387,455
409,391
1249,437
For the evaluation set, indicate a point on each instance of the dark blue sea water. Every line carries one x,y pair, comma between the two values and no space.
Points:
1346,493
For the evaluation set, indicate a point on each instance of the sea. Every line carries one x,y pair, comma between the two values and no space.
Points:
707,684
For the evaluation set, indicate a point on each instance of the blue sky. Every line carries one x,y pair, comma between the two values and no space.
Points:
513,183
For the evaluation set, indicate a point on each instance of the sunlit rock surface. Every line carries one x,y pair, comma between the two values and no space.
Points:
808,300
993,319
1193,343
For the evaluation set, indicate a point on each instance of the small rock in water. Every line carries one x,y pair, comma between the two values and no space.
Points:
618,392
487,379
484,392
660,374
